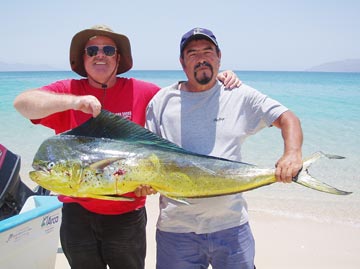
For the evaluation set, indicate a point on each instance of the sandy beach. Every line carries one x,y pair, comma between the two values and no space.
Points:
298,244
281,242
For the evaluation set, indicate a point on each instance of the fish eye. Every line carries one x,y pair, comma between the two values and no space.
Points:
50,165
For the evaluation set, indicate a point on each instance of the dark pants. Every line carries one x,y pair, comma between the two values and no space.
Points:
93,241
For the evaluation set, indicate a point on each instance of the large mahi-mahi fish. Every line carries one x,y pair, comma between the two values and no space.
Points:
109,156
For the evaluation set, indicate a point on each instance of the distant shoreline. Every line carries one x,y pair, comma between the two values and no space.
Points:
175,70
342,66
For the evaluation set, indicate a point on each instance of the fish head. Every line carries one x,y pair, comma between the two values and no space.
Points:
58,164
60,177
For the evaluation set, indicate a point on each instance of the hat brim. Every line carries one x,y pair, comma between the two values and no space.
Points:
79,41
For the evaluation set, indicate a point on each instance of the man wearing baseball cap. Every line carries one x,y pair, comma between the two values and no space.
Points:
203,116
97,233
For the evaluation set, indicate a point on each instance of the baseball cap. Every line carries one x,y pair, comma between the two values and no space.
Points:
197,33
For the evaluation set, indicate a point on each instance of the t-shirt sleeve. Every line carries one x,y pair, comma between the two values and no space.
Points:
151,118
264,111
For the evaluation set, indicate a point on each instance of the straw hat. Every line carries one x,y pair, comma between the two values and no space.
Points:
79,41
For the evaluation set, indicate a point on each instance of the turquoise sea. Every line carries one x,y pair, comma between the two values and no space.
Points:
328,105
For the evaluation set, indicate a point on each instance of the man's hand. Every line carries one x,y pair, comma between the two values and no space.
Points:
288,166
229,79
144,190
88,104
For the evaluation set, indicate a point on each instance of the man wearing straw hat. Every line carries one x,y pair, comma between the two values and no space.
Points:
97,233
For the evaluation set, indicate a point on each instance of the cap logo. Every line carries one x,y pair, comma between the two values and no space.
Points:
197,31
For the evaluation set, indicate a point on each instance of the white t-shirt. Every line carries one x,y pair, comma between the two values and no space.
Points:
214,122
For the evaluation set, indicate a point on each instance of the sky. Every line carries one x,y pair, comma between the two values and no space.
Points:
252,34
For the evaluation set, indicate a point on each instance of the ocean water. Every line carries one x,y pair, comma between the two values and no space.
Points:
328,105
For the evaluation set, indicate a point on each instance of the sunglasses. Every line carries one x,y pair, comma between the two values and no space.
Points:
92,51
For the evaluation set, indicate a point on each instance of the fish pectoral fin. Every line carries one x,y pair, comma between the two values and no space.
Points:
204,169
103,163
179,200
113,197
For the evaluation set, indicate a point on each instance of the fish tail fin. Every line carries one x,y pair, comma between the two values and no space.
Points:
305,179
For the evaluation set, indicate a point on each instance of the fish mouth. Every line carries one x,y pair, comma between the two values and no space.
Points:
34,175
40,168
38,172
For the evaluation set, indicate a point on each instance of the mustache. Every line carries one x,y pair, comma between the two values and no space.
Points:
202,64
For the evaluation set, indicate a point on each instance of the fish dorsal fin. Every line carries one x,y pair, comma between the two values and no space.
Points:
109,125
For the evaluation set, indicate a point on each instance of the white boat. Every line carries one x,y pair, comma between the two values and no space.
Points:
30,239
29,221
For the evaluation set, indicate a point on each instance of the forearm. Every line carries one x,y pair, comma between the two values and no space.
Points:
36,104
291,132
288,166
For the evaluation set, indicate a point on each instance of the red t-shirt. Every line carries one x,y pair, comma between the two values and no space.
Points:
127,98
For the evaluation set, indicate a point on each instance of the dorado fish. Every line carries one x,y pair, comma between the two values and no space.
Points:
109,156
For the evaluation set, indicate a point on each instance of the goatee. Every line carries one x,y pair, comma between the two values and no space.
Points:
204,78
